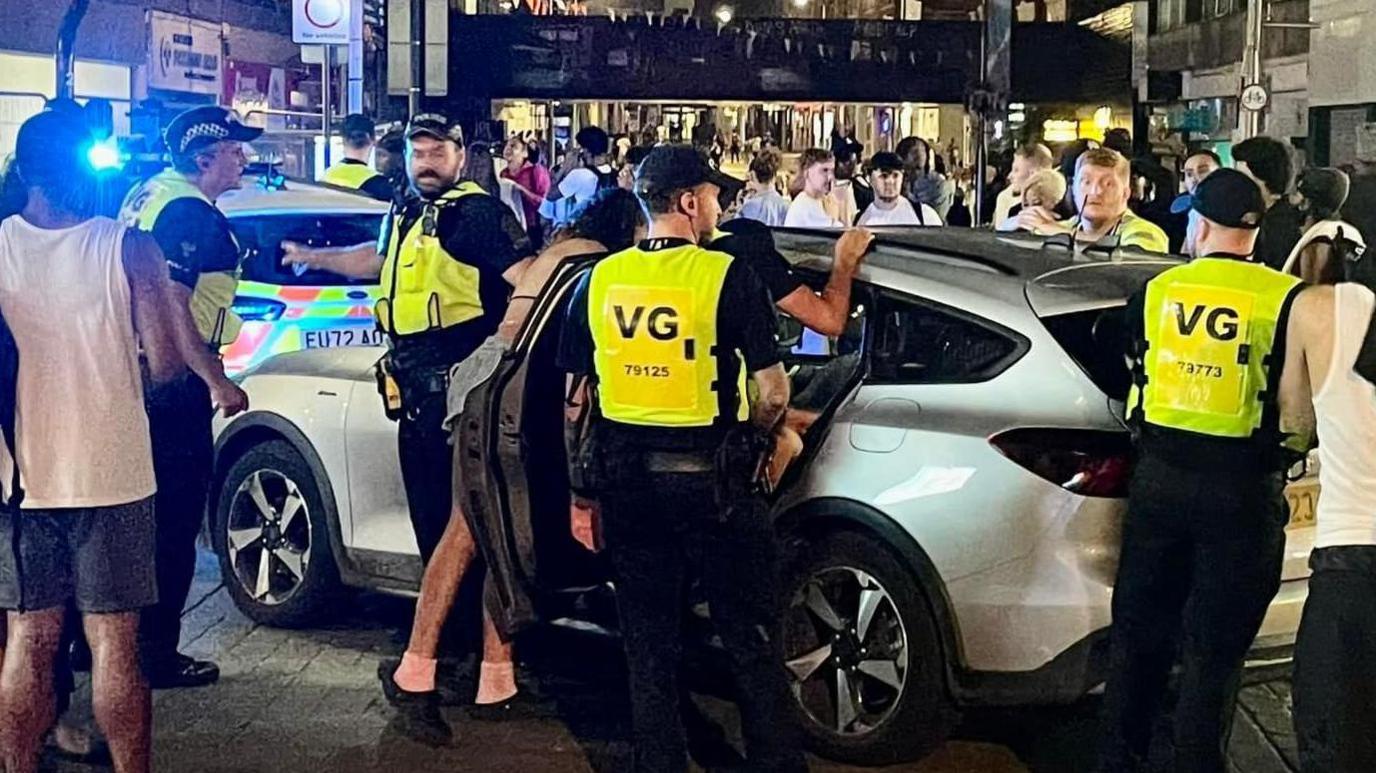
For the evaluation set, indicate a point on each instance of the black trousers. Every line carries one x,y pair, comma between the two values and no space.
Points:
660,531
427,468
1335,663
1201,561
179,416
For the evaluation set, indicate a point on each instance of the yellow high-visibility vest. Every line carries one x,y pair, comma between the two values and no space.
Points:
653,318
347,175
1211,329
212,299
424,287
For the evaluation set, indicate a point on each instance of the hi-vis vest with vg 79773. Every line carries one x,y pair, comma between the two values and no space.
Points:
653,317
426,288
1211,332
212,299
349,175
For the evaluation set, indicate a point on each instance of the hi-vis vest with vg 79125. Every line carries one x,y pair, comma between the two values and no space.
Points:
653,317
349,175
212,299
1211,332
426,288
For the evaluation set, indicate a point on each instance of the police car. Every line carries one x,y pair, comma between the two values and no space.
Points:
952,529
285,310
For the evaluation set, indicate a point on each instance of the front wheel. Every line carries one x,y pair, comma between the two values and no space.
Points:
271,535
861,647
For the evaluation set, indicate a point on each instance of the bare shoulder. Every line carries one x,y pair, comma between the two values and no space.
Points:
142,257
1313,310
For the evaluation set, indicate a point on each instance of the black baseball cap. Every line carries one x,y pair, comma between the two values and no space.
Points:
434,125
1227,197
200,127
885,162
52,146
670,168
358,123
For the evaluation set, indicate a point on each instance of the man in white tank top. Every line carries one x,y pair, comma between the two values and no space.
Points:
78,294
1333,391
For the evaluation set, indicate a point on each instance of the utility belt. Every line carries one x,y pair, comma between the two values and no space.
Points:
610,457
403,392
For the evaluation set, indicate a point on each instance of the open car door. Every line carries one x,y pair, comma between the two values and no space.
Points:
513,470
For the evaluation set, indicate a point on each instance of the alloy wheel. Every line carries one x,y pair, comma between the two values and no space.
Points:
846,650
268,534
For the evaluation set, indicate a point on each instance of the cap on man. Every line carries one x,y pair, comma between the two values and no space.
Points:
352,171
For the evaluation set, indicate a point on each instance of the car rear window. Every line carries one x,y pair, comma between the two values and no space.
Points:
1094,339
261,236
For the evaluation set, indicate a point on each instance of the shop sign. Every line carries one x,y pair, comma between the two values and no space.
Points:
183,54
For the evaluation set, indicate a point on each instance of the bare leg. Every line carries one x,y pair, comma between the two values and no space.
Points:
497,677
123,706
26,687
438,587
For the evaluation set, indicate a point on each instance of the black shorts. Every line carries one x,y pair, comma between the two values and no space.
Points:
101,558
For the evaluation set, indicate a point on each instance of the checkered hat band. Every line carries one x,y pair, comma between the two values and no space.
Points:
200,130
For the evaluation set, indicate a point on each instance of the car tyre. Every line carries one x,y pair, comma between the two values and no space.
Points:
301,581
847,601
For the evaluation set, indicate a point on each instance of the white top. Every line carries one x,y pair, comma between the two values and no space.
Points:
902,214
1345,408
807,212
843,193
1324,230
512,198
81,430
1004,203
576,187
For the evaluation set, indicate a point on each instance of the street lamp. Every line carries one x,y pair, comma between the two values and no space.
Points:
800,3
725,14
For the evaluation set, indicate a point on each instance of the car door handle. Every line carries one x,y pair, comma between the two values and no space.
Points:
357,295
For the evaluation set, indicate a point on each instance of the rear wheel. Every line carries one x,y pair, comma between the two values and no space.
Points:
862,650
272,538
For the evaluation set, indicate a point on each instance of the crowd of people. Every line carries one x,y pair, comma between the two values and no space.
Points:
1241,358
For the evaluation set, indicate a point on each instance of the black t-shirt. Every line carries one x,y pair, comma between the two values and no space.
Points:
1280,231
752,243
377,186
195,238
745,323
481,232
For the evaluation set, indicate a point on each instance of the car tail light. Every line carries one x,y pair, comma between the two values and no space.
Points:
1091,463
258,309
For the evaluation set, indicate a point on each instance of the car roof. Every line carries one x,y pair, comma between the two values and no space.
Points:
982,266
296,196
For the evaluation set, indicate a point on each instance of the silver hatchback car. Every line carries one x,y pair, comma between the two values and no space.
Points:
952,528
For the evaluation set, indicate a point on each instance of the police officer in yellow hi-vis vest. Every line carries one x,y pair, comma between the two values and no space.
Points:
667,333
177,206
353,170
1205,531
447,259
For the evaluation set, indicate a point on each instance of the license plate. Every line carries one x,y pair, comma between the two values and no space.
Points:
1303,499
321,339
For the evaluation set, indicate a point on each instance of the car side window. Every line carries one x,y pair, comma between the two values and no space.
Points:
917,342
260,243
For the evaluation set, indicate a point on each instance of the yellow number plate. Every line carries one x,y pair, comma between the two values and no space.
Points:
1303,498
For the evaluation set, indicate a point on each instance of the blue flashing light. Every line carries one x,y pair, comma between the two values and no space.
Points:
104,155
258,309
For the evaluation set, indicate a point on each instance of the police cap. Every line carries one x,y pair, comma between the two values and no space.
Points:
196,129
1226,197
434,125
670,168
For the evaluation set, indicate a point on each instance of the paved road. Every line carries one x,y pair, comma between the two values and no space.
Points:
299,701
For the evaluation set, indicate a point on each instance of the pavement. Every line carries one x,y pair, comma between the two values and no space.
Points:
308,700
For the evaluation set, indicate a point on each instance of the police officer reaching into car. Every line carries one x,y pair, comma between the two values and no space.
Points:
665,334
177,206
353,170
447,260
1204,536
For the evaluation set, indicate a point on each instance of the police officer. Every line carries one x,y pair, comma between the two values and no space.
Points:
353,171
447,259
177,206
666,333
1204,535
